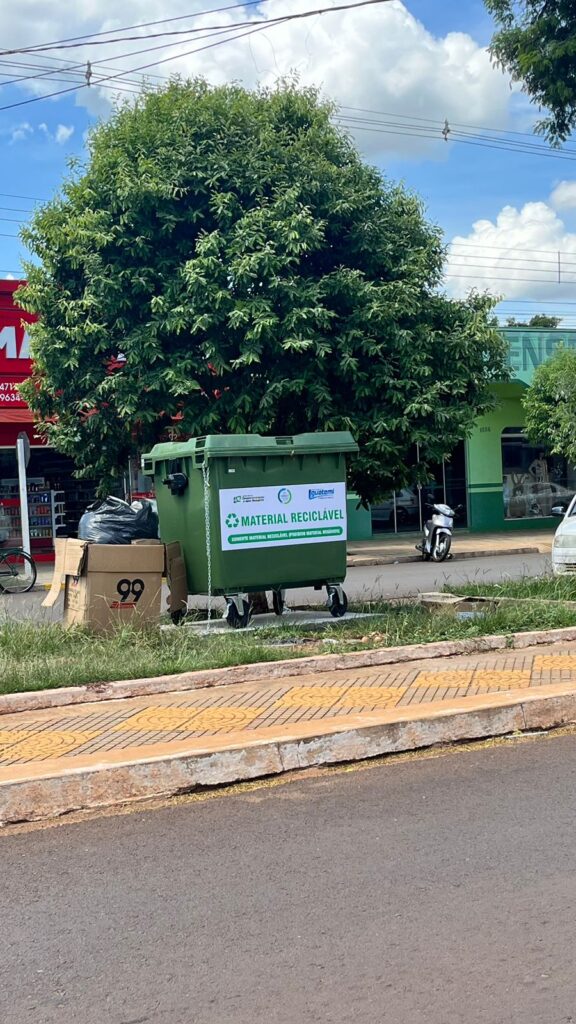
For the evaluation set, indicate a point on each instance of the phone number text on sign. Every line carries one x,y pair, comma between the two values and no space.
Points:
9,394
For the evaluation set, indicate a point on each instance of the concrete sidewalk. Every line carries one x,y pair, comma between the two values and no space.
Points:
57,760
386,549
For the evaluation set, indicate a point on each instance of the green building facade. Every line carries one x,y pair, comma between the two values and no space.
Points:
510,484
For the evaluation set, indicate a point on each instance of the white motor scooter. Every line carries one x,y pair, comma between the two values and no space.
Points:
437,538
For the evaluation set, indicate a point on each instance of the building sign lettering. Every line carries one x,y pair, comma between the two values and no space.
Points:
529,349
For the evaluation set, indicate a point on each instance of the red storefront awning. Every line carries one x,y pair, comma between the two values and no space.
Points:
16,416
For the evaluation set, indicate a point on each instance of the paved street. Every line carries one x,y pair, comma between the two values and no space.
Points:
436,891
362,583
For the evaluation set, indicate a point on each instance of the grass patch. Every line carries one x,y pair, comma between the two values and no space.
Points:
43,656
547,588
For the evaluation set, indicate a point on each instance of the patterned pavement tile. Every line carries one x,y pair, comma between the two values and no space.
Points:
40,745
448,677
552,661
341,697
503,679
189,720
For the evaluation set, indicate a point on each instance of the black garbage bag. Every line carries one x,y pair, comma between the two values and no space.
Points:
113,521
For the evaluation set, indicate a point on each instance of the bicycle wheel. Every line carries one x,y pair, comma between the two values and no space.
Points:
17,572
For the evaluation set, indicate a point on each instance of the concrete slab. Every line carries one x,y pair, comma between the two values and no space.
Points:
301,620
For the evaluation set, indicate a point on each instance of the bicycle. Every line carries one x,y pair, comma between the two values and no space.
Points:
17,571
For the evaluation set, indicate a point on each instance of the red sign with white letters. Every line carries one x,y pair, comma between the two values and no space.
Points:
15,363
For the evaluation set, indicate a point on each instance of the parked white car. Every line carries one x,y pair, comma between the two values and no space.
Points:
564,546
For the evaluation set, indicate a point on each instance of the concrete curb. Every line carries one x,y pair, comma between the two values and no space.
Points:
87,789
361,560
35,700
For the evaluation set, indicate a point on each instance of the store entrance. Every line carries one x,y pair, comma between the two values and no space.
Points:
56,499
406,510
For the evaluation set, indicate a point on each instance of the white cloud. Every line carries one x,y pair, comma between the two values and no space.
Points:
564,196
21,132
63,133
525,253
379,57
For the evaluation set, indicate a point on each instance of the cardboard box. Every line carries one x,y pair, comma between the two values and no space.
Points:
175,572
108,585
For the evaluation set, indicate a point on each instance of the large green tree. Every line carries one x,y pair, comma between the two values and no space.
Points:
550,404
536,43
225,261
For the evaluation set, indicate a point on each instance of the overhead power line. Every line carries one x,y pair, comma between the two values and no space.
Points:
55,44
485,141
230,29
94,41
539,302
436,121
513,280
31,199
510,248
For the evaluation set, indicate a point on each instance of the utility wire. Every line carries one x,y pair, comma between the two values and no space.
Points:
437,137
231,38
93,41
32,199
129,28
435,122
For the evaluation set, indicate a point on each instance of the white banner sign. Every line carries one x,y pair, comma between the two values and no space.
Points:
267,517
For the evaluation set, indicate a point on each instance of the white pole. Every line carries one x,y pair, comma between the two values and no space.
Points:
24,519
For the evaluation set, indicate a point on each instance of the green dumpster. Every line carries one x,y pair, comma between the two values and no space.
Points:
256,513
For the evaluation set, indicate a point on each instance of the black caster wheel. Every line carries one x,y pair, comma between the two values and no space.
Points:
278,602
337,603
234,619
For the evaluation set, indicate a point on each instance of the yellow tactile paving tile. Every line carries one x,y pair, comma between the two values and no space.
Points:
544,662
166,719
448,677
45,744
503,679
345,696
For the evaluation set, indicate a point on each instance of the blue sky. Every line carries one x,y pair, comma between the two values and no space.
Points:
415,63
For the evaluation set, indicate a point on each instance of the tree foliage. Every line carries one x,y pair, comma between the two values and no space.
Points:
536,43
225,262
550,404
541,320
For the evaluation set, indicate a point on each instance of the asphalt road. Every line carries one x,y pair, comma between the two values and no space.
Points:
362,583
436,891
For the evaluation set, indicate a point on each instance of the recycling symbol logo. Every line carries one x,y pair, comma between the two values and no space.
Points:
232,521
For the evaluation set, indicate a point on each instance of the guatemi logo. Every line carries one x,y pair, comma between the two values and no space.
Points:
322,493
284,496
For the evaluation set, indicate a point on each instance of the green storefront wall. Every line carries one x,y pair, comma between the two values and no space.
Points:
528,349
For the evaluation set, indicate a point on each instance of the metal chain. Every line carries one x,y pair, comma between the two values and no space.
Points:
208,534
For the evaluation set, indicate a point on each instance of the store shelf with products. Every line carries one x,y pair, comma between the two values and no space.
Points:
46,515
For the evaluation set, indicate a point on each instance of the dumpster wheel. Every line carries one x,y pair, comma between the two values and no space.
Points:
233,616
337,602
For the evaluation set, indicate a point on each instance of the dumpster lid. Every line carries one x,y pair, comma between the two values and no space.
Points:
215,446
